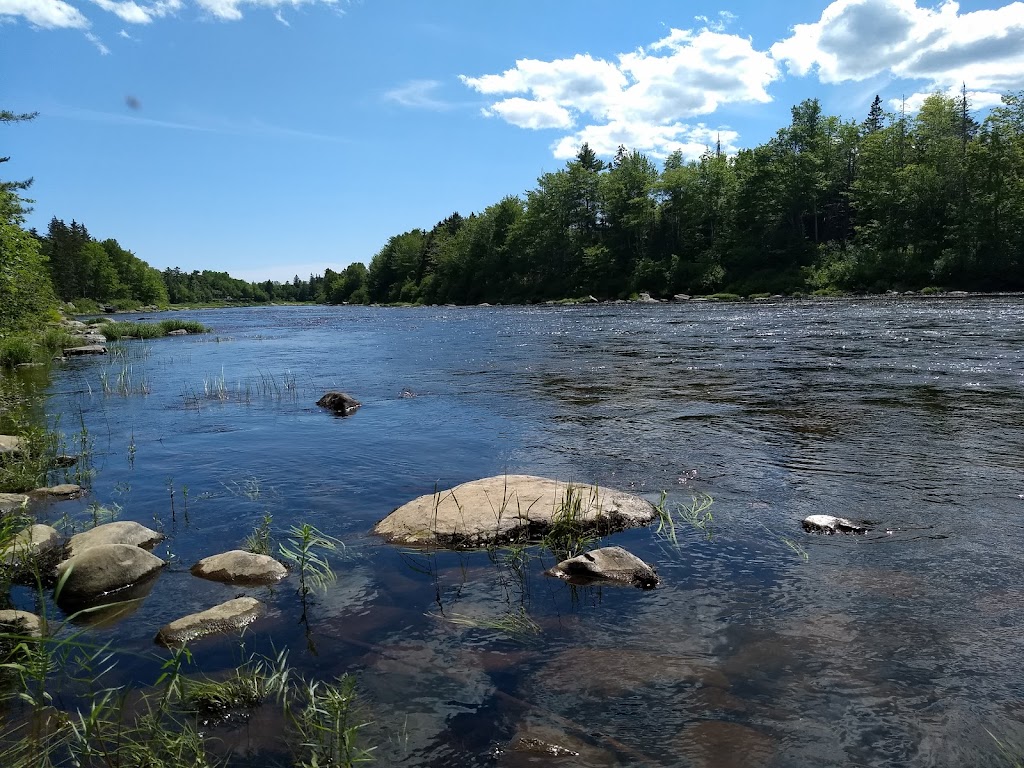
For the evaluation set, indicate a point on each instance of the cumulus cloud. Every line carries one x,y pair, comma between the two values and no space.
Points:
941,47
640,99
48,14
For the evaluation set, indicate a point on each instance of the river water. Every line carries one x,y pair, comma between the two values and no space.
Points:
763,646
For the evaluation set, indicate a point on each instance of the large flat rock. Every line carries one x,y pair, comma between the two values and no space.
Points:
506,508
10,502
10,445
226,617
120,532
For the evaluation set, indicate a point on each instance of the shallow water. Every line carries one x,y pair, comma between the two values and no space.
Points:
764,645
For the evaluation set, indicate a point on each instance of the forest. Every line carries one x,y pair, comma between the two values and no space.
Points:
929,201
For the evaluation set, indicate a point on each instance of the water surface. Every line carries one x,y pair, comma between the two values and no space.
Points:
764,645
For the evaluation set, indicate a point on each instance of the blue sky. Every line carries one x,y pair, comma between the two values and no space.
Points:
269,138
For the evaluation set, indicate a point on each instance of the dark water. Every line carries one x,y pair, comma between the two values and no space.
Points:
764,645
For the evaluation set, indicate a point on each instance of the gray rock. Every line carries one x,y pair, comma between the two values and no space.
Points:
645,298
86,349
240,567
10,445
21,623
608,564
681,297
339,402
506,508
232,615
828,524
105,569
121,532
37,544
9,502
62,491
178,332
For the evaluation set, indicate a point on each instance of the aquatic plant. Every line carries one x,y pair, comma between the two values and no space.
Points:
259,542
570,533
327,731
696,514
128,330
306,550
516,624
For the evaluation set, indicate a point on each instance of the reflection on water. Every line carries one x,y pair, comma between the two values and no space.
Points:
764,646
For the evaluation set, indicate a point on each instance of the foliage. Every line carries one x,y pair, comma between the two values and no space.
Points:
306,550
259,542
125,330
571,534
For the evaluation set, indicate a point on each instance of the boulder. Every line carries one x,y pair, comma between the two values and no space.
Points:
36,544
681,297
233,615
828,524
86,349
178,332
646,298
21,623
62,491
240,567
505,508
10,445
121,532
339,402
103,570
608,564
9,502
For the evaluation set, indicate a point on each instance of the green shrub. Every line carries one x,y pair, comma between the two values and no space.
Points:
15,350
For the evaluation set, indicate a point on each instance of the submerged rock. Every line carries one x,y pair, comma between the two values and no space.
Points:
240,567
828,524
87,349
339,402
21,623
103,570
510,507
10,445
62,491
232,615
608,564
121,532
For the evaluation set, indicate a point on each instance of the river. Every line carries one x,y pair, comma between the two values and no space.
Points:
763,646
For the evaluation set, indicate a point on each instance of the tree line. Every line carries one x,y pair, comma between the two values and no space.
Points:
826,205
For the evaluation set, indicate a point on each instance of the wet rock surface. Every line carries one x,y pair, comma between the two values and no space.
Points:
226,617
103,570
508,507
85,349
828,524
339,402
120,532
606,565
240,567
62,491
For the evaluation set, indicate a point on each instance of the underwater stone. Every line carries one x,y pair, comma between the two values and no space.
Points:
62,491
608,564
509,507
232,615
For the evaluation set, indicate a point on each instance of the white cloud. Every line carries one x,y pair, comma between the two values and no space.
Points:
126,10
858,39
658,140
526,113
48,14
280,17
641,99
418,94
104,51
230,10
975,99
